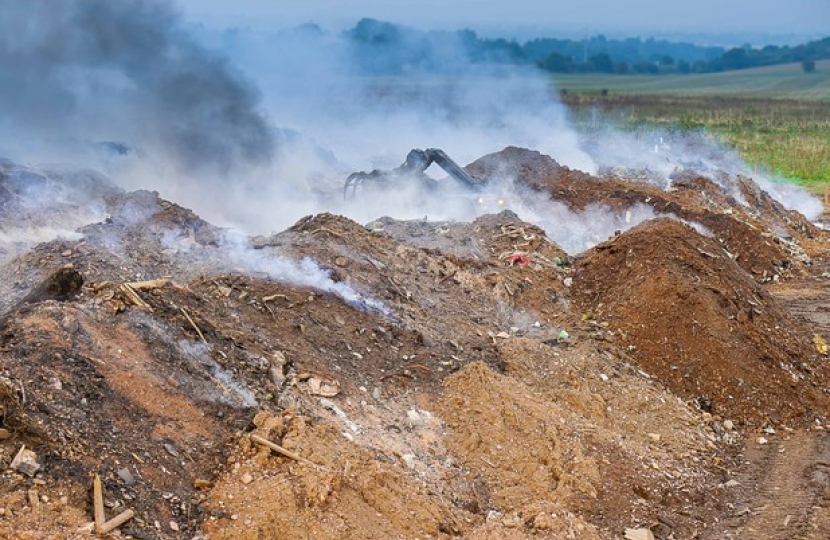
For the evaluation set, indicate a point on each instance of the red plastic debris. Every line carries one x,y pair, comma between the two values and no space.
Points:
518,259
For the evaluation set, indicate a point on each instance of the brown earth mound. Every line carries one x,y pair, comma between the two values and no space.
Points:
444,380
691,317
766,240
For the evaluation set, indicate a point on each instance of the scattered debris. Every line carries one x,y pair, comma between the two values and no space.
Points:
25,461
638,534
282,451
673,339
317,385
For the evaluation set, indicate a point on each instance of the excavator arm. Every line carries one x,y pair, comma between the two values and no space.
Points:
417,162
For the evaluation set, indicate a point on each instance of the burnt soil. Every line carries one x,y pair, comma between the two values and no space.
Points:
435,379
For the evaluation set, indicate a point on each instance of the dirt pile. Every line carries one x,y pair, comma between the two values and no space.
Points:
765,239
690,316
421,379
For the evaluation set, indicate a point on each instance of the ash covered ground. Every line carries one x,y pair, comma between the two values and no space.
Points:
633,344
429,379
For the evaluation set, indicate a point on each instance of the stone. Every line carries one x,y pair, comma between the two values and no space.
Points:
638,534
125,475
246,478
728,425
25,462
201,483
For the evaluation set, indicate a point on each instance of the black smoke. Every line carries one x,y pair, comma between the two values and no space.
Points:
126,73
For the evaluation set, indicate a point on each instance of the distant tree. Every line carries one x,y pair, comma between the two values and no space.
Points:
683,67
376,32
666,60
808,66
620,68
601,62
736,58
557,63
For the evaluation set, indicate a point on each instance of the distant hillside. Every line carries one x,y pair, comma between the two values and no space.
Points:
780,81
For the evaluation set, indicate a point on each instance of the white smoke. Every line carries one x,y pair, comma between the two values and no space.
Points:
238,254
658,154
267,131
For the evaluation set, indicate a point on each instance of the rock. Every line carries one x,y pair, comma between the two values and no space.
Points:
174,526
761,440
34,498
340,261
5,434
25,462
201,484
171,450
732,483
512,521
728,425
318,385
654,437
638,534
246,478
125,475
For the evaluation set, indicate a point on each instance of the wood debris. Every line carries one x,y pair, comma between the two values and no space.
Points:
102,526
193,324
282,451
148,285
131,297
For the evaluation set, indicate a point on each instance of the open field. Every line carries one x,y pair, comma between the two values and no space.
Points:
777,117
781,81
788,136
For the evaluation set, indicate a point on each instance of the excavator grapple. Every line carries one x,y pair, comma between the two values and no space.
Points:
417,161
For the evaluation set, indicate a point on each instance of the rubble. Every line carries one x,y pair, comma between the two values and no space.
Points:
452,380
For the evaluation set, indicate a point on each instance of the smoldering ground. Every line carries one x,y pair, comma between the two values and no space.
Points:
362,106
127,87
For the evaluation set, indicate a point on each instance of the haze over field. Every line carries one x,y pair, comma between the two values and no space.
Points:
258,128
740,17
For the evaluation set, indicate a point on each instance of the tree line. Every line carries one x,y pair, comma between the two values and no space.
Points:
387,48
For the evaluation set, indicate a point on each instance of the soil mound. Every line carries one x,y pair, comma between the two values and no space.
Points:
694,319
767,241
407,379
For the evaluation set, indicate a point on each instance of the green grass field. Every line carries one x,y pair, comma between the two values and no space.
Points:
776,117
782,81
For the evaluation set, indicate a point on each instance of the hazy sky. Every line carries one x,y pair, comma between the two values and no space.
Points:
776,17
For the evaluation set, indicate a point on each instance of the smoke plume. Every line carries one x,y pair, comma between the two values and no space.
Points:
84,76
128,87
